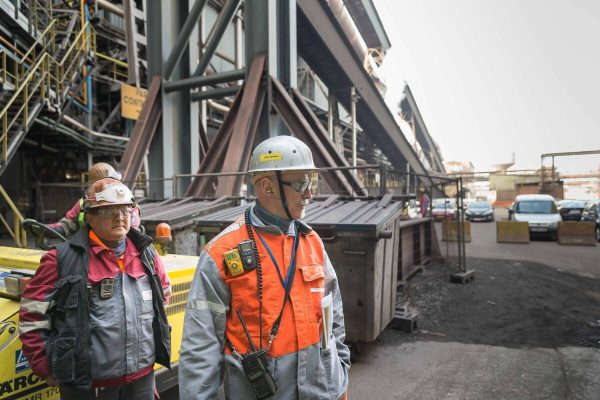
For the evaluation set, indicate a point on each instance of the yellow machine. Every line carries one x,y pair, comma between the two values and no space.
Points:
17,266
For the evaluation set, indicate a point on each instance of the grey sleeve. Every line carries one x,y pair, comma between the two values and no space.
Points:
69,226
203,340
339,330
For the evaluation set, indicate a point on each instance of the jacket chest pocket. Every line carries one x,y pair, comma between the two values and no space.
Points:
143,294
313,277
68,293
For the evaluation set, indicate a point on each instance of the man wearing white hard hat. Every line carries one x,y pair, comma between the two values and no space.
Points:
92,319
264,309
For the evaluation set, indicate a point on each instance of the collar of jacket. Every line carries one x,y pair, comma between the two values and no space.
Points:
273,229
139,240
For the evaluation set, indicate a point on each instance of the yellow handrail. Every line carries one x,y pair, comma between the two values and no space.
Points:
28,77
18,234
13,48
46,74
27,94
49,29
75,42
52,74
116,64
64,72
8,58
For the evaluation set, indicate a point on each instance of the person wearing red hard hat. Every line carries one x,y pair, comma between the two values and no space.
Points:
92,319
74,219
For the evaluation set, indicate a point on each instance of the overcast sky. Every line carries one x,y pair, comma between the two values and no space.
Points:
492,77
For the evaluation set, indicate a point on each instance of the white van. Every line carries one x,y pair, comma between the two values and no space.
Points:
539,210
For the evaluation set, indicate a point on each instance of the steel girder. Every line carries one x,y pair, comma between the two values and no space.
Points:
230,150
143,133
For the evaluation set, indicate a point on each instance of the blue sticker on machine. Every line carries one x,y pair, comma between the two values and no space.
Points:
2,275
21,363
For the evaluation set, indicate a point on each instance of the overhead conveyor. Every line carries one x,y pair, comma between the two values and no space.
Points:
323,44
410,113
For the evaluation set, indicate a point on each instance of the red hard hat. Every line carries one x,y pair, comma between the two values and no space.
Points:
102,170
108,192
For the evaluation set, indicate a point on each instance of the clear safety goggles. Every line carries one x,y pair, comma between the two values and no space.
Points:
116,194
300,187
112,212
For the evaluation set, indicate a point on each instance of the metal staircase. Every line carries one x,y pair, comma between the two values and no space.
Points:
40,84
41,80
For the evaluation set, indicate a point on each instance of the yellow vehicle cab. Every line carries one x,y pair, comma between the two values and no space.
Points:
17,266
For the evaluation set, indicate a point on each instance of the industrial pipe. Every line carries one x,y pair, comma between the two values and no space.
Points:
91,132
108,6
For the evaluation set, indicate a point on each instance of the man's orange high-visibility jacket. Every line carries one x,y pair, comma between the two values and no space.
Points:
302,368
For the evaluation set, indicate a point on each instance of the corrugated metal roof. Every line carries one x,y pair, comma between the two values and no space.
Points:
344,214
174,211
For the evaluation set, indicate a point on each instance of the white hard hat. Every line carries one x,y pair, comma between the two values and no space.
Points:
281,153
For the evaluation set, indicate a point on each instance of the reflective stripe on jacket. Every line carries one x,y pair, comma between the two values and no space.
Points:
58,303
301,368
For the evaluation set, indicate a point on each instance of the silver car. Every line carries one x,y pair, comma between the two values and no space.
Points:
539,211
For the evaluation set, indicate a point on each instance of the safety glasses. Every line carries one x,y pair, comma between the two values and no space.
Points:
111,212
300,187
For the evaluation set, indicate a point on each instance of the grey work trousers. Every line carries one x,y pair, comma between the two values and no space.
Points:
140,389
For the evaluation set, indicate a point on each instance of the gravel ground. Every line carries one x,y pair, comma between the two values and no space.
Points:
509,303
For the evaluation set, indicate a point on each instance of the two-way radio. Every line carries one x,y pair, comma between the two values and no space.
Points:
256,368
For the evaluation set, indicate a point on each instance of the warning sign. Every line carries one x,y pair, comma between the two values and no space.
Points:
132,99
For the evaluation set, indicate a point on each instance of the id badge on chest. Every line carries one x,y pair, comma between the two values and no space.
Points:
107,288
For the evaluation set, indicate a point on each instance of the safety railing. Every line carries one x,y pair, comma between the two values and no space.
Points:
68,68
117,69
47,41
29,88
12,59
45,78
38,14
41,14
9,66
16,232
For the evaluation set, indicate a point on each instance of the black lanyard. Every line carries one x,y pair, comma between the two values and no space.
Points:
289,280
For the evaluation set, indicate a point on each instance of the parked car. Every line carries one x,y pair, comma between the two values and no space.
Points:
539,211
441,210
571,210
591,212
479,211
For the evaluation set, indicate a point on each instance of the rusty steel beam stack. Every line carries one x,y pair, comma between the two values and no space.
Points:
225,153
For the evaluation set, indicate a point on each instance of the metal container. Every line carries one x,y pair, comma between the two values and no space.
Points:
362,239
180,214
